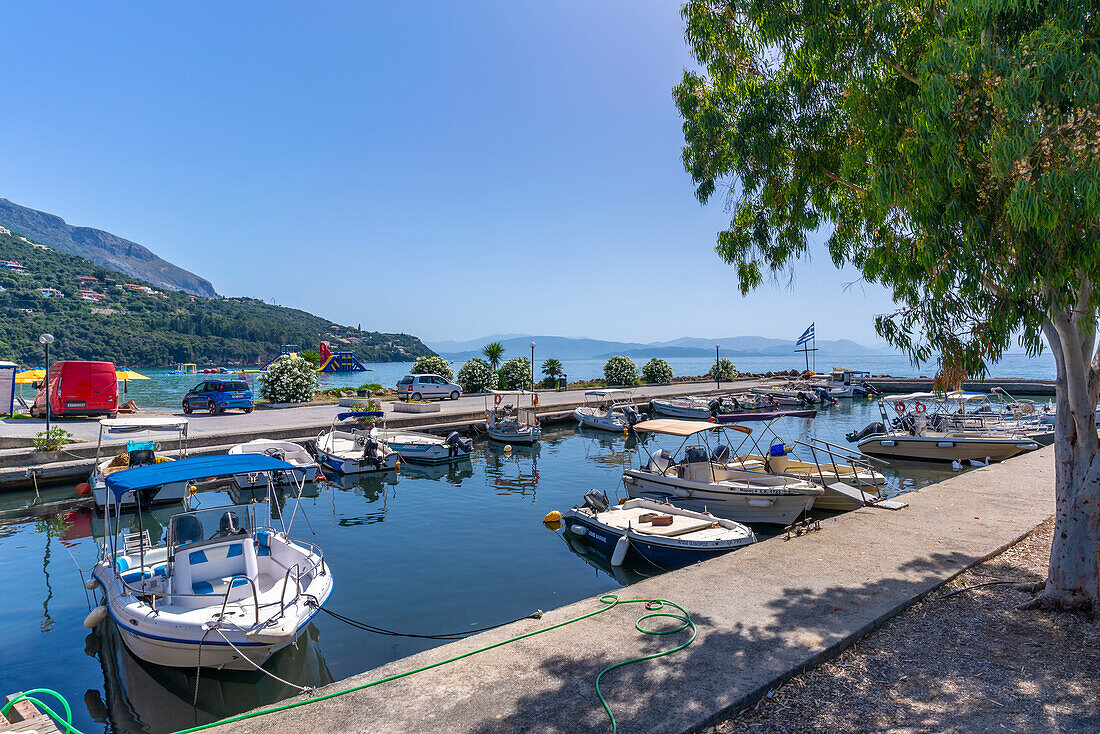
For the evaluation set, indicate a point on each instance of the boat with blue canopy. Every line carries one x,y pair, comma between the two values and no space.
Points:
226,588
353,450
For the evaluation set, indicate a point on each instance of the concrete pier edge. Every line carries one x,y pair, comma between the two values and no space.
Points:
765,613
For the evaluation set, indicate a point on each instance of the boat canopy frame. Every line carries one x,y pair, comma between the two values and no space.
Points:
145,424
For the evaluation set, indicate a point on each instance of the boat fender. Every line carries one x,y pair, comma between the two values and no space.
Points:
95,616
497,399
579,530
761,503
83,489
536,399
552,516
619,554
91,584
681,492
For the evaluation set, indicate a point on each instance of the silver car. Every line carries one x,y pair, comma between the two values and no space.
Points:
424,387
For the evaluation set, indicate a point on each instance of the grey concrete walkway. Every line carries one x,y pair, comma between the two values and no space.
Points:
763,613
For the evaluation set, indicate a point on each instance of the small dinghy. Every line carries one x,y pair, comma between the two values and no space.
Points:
226,589
138,453
287,451
424,447
515,424
665,536
608,410
354,450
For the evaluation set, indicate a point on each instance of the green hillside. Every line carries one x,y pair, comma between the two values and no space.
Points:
132,327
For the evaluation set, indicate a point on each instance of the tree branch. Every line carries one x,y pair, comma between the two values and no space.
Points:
846,184
898,68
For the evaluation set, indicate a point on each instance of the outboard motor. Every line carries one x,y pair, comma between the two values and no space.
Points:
869,430
372,452
721,453
714,405
596,499
806,398
823,395
736,403
695,455
456,444
871,389
632,416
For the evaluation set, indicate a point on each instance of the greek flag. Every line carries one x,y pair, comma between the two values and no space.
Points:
807,335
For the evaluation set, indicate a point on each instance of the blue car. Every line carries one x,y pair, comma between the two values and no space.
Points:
218,395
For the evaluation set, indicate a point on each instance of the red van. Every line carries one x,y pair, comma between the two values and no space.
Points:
79,388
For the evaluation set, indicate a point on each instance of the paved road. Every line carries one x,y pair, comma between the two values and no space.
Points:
319,416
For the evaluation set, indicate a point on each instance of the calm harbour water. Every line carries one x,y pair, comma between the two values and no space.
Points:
164,390
432,550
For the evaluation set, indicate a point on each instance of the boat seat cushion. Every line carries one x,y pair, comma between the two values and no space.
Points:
680,526
218,586
263,543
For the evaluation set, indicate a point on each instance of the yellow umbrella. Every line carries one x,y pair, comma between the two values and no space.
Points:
26,377
129,375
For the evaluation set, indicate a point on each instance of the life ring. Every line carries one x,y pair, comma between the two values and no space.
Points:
536,398
919,407
899,406
497,399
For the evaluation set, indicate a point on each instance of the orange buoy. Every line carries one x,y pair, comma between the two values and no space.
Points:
83,489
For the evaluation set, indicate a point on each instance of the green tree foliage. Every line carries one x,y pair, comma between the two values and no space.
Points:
432,366
493,352
551,367
289,379
134,328
952,151
312,356
620,371
475,376
657,372
724,370
515,374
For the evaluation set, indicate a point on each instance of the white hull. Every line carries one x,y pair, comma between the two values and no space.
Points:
591,418
167,494
525,437
356,466
740,501
682,409
421,447
347,452
287,451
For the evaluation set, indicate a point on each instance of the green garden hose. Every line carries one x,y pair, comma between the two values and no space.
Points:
653,606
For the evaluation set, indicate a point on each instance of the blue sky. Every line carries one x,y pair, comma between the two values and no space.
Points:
448,169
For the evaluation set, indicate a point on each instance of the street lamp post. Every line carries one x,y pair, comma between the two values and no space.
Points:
47,339
532,365
717,366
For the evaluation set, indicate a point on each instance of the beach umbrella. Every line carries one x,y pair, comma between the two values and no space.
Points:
26,377
126,376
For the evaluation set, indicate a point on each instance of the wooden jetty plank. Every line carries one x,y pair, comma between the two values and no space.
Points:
24,717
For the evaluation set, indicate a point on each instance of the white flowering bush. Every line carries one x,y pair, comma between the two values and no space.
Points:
724,370
291,379
620,371
657,372
475,376
432,366
515,374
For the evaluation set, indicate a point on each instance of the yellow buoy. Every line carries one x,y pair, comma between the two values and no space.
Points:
552,516
626,431
507,448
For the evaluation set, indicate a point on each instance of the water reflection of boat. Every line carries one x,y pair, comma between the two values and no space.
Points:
514,471
370,484
626,574
453,472
140,696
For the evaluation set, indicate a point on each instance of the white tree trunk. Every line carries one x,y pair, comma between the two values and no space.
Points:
1073,579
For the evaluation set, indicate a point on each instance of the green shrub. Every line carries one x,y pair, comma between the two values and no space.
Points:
475,376
52,440
657,372
288,380
620,371
724,370
432,366
368,406
515,374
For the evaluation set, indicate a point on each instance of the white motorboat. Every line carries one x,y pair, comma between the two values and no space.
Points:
608,410
508,423
225,590
288,451
699,407
843,383
703,479
794,393
138,453
354,450
424,447
660,534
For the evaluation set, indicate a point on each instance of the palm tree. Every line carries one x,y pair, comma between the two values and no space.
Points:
493,352
551,368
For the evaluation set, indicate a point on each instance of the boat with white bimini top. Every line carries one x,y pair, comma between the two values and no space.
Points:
353,450
608,410
512,423
225,590
705,480
658,533
288,451
424,448
138,453
844,383
916,436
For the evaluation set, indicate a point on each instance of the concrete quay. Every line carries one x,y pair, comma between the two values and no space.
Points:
216,434
764,614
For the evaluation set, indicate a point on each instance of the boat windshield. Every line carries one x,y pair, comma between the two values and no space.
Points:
212,524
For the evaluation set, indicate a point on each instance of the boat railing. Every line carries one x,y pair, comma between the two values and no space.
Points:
858,465
297,587
255,596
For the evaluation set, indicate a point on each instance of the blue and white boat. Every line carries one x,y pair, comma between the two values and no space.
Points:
352,450
657,533
425,448
226,589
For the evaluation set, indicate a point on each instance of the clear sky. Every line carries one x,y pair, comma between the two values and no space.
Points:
448,169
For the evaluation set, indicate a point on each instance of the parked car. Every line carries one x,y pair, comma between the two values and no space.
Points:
218,395
421,387
76,387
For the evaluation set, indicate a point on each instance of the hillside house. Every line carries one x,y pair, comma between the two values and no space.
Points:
89,295
87,278
51,293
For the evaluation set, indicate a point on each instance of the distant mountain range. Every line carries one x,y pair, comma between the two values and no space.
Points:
103,248
570,348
